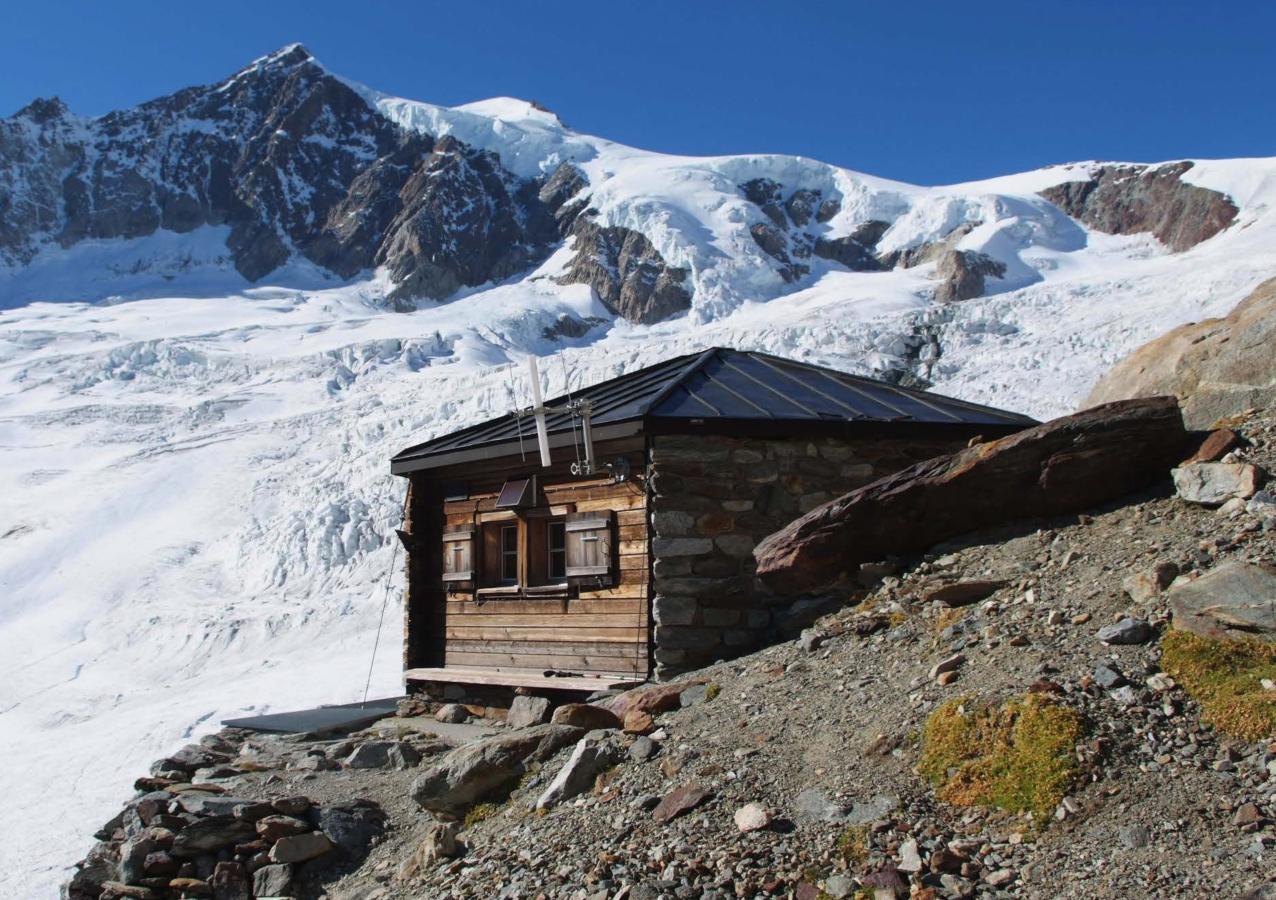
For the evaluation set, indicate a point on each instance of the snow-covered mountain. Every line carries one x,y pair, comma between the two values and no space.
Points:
221,311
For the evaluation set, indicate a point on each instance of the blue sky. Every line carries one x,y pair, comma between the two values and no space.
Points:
925,92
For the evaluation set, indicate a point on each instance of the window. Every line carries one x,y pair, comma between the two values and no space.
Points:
557,542
509,554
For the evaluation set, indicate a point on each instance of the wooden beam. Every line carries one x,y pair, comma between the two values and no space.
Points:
449,675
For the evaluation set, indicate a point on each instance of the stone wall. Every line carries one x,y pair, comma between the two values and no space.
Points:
712,500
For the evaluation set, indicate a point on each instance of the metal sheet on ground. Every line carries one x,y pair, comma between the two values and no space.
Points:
348,717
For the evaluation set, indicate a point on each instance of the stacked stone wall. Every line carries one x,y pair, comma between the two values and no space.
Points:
712,500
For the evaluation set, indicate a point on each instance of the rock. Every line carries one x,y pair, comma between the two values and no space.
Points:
946,860
963,593
438,844
1108,676
810,639
526,711
1247,814
314,764
946,678
654,699
1062,466
638,722
470,772
351,825
909,858
300,847
116,890
1133,199
1234,600
962,273
681,800
752,817
274,880
272,828
1145,586
1126,631
191,887
383,755
230,882
1217,367
694,696
585,715
1212,484
587,761
412,707
1219,443
642,749
627,271
291,806
840,886
999,877
452,713
211,833
950,664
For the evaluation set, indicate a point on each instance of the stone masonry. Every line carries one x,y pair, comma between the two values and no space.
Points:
713,499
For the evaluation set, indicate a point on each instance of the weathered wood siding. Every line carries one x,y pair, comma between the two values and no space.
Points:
603,630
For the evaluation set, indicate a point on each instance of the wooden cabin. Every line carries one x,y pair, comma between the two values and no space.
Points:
526,577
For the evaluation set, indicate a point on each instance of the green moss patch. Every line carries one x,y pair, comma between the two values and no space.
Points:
1225,678
1018,756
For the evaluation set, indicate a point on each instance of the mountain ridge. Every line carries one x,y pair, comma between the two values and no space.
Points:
297,164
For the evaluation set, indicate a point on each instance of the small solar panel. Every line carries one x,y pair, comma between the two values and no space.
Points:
516,494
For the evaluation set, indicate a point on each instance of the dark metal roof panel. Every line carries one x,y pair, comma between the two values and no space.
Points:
723,383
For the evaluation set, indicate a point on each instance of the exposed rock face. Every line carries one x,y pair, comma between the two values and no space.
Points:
792,234
296,162
1136,199
1065,465
962,274
630,276
1217,368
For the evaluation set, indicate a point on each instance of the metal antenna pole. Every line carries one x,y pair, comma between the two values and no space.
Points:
389,581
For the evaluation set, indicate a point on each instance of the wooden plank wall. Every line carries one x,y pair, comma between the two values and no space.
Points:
604,630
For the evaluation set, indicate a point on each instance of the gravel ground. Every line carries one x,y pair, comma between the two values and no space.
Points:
824,734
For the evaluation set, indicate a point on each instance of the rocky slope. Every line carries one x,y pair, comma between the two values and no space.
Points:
794,772
289,163
1215,367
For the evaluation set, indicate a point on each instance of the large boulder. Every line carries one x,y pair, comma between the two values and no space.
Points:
1235,600
1062,466
470,773
1217,368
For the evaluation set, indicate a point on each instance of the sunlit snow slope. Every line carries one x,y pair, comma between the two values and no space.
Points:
197,506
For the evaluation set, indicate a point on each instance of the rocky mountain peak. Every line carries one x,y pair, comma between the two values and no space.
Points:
43,110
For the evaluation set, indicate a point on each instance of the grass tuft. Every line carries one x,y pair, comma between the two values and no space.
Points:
1225,678
1018,756
852,845
479,813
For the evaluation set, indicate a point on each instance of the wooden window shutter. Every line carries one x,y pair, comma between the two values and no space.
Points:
590,544
458,554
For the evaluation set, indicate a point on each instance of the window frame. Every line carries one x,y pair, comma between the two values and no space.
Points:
556,525
507,555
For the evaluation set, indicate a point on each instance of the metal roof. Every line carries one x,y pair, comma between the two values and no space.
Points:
727,385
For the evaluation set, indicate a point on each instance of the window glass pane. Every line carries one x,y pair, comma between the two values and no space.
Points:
557,550
509,553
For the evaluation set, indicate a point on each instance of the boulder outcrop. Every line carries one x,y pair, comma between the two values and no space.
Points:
1155,199
1217,368
1061,466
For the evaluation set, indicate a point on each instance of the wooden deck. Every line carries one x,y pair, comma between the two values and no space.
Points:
450,675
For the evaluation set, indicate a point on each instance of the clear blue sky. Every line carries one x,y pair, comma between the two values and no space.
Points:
920,91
